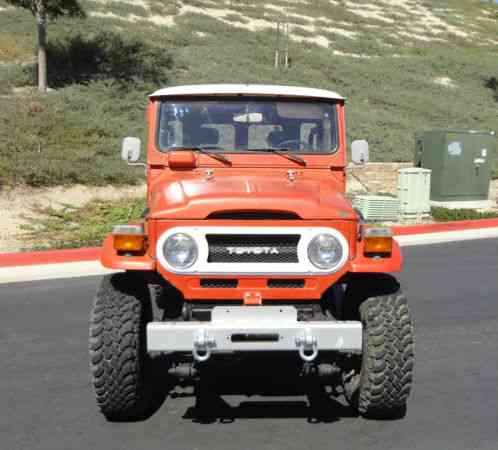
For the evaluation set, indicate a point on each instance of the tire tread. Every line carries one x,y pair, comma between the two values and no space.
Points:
388,361
118,357
388,355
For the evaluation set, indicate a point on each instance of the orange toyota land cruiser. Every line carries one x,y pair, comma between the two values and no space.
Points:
248,246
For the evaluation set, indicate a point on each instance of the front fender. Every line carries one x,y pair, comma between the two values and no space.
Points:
361,263
110,259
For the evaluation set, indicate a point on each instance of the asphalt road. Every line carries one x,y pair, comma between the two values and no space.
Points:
47,402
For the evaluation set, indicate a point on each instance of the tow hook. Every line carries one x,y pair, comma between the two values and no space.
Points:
203,343
307,345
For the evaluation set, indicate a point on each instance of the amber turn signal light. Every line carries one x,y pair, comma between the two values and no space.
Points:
129,238
378,241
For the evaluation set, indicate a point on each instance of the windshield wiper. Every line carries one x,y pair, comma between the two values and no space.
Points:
204,149
280,151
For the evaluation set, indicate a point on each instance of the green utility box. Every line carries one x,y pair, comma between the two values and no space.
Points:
460,162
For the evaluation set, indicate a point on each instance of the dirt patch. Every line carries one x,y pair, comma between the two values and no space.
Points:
133,18
368,11
402,18
18,205
420,21
445,81
352,55
143,4
110,15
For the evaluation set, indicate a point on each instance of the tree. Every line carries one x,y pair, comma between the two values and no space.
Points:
41,10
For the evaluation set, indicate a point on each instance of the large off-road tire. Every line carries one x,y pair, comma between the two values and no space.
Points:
387,361
119,362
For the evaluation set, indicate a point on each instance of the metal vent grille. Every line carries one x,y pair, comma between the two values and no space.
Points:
247,248
377,207
218,283
286,284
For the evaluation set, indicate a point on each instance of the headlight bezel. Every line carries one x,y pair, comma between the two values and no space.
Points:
341,245
186,238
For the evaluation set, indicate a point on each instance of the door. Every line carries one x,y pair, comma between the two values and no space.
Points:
457,175
482,154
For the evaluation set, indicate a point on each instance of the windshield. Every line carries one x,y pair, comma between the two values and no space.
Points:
234,125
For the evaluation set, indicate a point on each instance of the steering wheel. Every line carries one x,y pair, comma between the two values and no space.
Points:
294,144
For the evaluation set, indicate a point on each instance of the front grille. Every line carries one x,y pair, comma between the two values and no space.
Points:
218,283
287,283
252,248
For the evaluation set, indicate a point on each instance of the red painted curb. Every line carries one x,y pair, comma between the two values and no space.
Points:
49,257
93,253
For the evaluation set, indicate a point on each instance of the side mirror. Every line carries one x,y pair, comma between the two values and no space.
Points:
130,149
359,152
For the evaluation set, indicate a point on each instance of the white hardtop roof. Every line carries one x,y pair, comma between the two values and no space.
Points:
246,90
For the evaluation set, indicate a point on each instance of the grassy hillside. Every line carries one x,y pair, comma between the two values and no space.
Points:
403,66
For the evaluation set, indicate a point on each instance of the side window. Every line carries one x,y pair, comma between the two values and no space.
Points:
258,135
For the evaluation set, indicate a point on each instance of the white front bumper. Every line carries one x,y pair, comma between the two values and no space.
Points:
254,328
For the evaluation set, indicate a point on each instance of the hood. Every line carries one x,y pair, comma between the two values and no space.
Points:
197,198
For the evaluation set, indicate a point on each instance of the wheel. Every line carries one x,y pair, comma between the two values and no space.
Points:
386,370
120,365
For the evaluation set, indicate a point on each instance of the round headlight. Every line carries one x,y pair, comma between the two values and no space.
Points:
325,251
180,251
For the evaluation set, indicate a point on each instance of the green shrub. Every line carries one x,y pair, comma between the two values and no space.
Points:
80,227
71,136
390,89
9,48
492,83
449,215
105,56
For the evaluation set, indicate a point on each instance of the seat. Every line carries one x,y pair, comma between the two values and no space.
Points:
206,136
275,138
315,138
